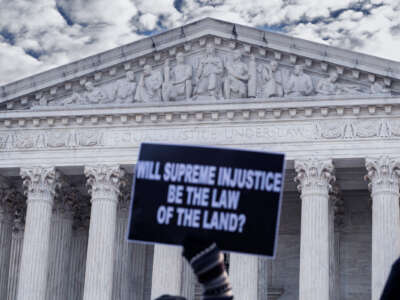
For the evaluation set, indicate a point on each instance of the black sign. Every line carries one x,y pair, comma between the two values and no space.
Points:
229,196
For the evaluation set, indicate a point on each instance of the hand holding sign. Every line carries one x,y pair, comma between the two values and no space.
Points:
227,195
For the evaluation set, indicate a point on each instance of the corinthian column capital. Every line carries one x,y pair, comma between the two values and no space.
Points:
104,181
40,183
383,174
314,173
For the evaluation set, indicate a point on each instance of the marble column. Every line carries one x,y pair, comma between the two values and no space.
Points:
15,263
188,289
314,177
167,271
6,219
384,175
243,275
104,182
336,211
60,244
263,279
123,267
16,245
130,258
40,183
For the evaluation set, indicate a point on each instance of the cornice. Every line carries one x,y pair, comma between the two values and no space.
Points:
165,44
247,110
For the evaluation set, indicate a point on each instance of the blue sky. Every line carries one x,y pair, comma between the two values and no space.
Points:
42,34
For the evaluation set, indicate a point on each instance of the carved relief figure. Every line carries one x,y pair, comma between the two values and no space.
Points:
124,91
300,84
208,74
94,94
252,86
87,96
149,87
328,86
272,80
178,80
377,88
75,98
235,83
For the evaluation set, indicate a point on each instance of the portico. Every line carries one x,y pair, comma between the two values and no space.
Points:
74,158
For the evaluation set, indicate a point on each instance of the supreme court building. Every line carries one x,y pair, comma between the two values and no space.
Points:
69,140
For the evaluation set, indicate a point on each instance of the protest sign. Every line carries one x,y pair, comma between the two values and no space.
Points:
229,196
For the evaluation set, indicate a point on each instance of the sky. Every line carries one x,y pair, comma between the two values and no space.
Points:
37,35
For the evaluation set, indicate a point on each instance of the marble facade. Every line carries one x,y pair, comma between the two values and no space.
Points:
69,139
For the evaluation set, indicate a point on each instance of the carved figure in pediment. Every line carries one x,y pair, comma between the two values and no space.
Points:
94,94
272,80
378,88
237,76
209,74
252,85
75,98
328,86
300,84
44,100
149,87
178,80
124,91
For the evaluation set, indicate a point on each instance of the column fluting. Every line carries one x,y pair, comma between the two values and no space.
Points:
40,184
243,274
384,174
16,245
167,271
104,182
314,177
60,244
6,220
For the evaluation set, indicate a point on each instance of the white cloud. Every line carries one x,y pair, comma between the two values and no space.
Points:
149,21
56,32
15,63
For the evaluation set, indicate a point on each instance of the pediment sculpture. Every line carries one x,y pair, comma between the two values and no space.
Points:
209,75
149,86
272,80
300,84
122,91
217,74
237,77
125,89
330,86
177,80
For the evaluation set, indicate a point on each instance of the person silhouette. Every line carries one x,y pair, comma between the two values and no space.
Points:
391,290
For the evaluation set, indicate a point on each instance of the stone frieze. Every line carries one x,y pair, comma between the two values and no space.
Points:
132,137
81,138
358,129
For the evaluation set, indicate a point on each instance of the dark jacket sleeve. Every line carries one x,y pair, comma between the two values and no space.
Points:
392,287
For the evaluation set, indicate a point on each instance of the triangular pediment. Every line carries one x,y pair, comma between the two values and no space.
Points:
208,59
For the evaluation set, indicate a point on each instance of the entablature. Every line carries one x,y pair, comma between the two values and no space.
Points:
238,110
